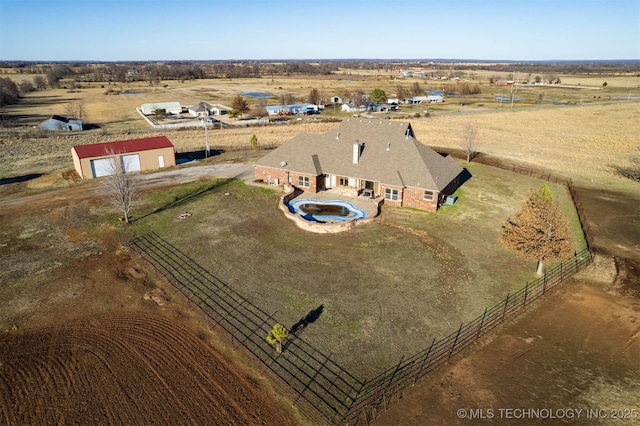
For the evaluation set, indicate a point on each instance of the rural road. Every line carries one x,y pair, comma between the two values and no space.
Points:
92,188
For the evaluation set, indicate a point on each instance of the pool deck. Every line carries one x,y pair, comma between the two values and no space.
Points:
368,205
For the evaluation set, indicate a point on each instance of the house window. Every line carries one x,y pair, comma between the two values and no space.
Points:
344,181
303,181
428,196
391,194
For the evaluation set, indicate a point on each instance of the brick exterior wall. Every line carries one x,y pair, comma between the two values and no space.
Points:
270,174
414,197
391,202
409,197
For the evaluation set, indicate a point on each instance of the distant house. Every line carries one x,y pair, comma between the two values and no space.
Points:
351,107
58,122
291,109
277,110
173,108
431,99
98,159
382,157
335,100
380,106
202,109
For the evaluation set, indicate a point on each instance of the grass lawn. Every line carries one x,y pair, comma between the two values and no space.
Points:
386,288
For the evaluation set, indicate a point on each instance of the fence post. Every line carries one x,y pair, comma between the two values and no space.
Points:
454,342
426,358
544,284
504,310
561,275
481,324
384,393
526,293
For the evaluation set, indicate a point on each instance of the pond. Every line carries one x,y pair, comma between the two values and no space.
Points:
259,95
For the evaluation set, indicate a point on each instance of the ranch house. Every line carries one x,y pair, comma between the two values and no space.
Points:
371,157
98,159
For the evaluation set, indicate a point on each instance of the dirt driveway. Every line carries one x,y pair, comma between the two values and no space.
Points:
65,196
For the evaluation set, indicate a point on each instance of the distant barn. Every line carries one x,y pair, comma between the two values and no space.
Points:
58,122
98,159
169,108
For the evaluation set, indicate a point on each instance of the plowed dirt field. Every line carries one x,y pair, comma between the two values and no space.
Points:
124,369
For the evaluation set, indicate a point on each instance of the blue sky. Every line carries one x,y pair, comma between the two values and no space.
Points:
119,30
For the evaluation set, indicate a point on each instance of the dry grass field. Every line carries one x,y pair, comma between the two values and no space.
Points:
589,144
594,142
55,255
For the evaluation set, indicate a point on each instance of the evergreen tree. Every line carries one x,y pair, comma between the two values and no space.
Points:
378,95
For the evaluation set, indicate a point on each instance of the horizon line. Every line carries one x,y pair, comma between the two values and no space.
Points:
326,60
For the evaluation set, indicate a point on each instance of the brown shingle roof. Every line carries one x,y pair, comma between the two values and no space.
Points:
390,154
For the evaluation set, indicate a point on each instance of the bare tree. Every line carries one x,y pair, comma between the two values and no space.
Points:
120,187
74,110
469,135
402,93
40,82
286,98
345,94
259,109
416,89
25,87
359,98
315,97
538,231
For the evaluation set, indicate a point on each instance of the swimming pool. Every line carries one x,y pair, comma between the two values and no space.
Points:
325,211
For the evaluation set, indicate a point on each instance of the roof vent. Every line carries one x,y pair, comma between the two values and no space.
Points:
388,147
337,135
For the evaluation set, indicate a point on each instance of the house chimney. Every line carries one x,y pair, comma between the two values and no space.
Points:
356,152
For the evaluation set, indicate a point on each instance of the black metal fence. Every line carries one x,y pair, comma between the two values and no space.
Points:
323,390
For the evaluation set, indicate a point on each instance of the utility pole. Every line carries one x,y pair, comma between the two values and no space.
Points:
514,84
206,136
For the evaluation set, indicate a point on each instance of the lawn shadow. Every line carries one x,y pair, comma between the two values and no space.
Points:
465,175
296,329
189,156
16,179
631,172
178,202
